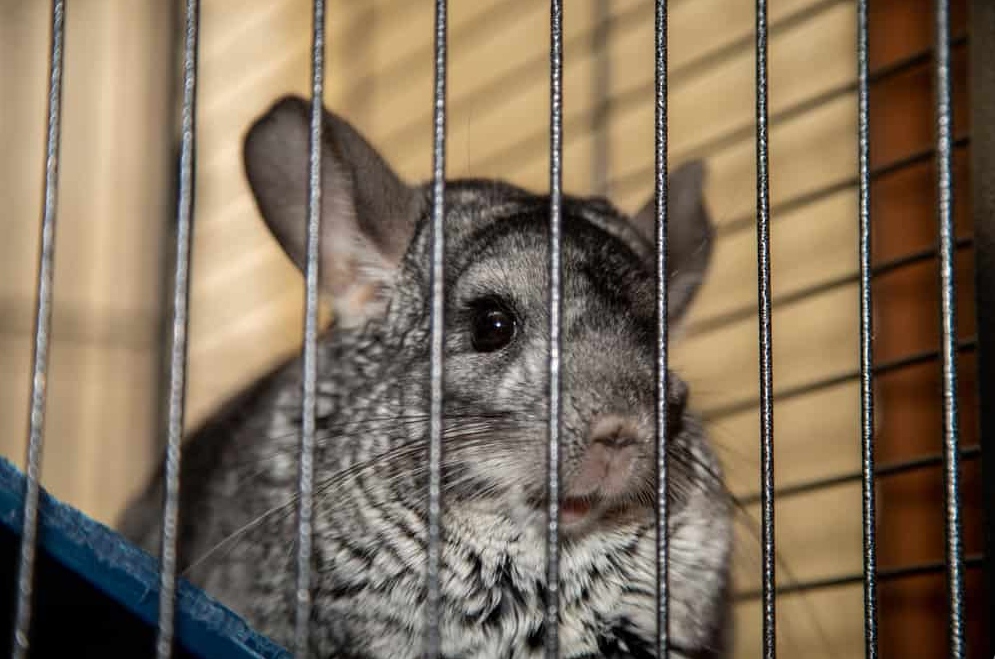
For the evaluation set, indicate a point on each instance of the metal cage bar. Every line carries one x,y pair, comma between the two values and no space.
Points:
552,613
866,342
948,329
309,376
662,481
768,556
982,83
178,346
42,339
433,643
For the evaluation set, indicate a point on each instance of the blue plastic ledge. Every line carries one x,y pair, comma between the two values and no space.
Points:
129,576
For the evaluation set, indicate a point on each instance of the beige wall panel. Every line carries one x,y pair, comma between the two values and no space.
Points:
112,204
806,626
811,444
99,421
808,246
724,362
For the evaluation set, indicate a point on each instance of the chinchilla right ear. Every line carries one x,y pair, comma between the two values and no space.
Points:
690,235
368,214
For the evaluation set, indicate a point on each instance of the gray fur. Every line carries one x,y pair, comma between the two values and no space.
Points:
239,471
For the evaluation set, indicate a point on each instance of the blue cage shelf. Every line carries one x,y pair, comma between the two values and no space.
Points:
96,595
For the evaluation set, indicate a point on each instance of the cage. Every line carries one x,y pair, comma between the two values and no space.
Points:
831,64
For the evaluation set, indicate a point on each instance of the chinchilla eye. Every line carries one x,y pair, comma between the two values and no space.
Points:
493,327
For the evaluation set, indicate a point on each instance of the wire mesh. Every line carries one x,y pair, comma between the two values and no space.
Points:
42,338
180,324
955,562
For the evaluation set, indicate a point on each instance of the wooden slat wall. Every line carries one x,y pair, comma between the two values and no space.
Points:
113,203
246,298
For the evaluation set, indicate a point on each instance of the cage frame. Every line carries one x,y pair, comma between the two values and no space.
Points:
34,502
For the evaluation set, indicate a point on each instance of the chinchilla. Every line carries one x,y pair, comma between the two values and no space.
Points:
239,478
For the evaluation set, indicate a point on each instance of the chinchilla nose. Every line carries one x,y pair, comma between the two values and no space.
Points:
614,432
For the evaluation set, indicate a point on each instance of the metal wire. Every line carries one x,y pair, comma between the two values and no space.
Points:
42,337
948,330
552,618
433,600
768,554
178,347
309,376
866,342
662,480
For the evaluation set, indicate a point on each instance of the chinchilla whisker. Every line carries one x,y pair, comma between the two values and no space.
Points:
242,530
329,434
293,500
415,448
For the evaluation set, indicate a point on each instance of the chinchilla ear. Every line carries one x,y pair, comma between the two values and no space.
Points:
368,212
689,235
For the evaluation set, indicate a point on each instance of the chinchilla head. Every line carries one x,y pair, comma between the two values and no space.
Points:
375,268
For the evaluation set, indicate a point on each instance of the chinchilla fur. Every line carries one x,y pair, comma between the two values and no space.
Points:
237,536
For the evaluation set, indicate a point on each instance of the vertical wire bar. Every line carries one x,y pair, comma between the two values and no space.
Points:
866,336
948,331
765,340
171,195
42,336
178,348
552,640
433,641
982,82
662,480
309,378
